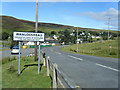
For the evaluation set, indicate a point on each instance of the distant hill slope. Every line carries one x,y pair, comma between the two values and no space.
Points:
11,24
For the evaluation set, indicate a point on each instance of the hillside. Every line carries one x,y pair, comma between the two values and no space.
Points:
102,49
10,24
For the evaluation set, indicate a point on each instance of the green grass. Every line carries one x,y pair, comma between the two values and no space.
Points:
4,49
5,43
102,49
29,78
0,76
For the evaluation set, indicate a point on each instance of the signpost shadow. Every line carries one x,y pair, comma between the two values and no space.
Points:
29,65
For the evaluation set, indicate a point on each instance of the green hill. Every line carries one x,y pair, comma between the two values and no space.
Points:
11,24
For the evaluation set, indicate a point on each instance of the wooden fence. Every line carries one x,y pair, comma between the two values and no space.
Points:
58,80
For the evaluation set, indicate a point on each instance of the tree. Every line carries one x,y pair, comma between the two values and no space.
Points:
67,38
5,36
61,32
114,34
105,35
90,39
53,32
13,43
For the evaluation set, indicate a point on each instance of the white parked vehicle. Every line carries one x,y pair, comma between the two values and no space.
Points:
15,50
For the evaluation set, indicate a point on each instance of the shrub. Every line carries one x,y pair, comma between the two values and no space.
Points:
5,60
11,69
5,36
112,53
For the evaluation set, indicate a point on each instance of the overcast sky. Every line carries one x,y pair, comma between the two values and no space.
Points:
80,14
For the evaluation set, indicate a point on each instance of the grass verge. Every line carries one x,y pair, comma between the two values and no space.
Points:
0,76
102,49
4,49
29,77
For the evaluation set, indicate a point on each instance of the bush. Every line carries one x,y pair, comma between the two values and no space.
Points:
105,38
112,53
5,60
5,36
11,69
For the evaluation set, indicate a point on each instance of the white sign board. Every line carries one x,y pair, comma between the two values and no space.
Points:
28,36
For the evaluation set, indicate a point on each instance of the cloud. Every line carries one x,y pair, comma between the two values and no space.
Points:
111,13
102,16
60,0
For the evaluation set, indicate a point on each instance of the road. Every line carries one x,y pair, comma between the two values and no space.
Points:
84,70
24,52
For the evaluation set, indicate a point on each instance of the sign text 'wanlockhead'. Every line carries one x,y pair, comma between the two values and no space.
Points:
28,36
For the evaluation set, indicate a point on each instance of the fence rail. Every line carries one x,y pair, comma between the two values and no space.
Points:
58,80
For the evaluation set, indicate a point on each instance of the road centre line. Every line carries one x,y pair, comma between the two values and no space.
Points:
107,67
75,57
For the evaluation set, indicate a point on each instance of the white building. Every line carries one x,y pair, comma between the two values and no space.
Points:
55,37
31,43
96,37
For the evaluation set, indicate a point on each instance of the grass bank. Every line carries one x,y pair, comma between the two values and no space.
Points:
29,77
102,49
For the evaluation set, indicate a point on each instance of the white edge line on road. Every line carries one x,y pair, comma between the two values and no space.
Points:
107,67
75,57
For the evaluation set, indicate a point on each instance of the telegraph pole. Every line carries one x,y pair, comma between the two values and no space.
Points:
108,27
36,30
77,41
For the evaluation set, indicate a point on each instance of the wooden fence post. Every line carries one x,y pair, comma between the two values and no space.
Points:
44,62
47,60
41,55
44,59
54,76
77,88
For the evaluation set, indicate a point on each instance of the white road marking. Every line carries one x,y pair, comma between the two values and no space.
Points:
107,67
75,57
57,52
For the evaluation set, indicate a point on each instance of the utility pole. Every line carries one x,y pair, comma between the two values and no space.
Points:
36,30
108,27
77,41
